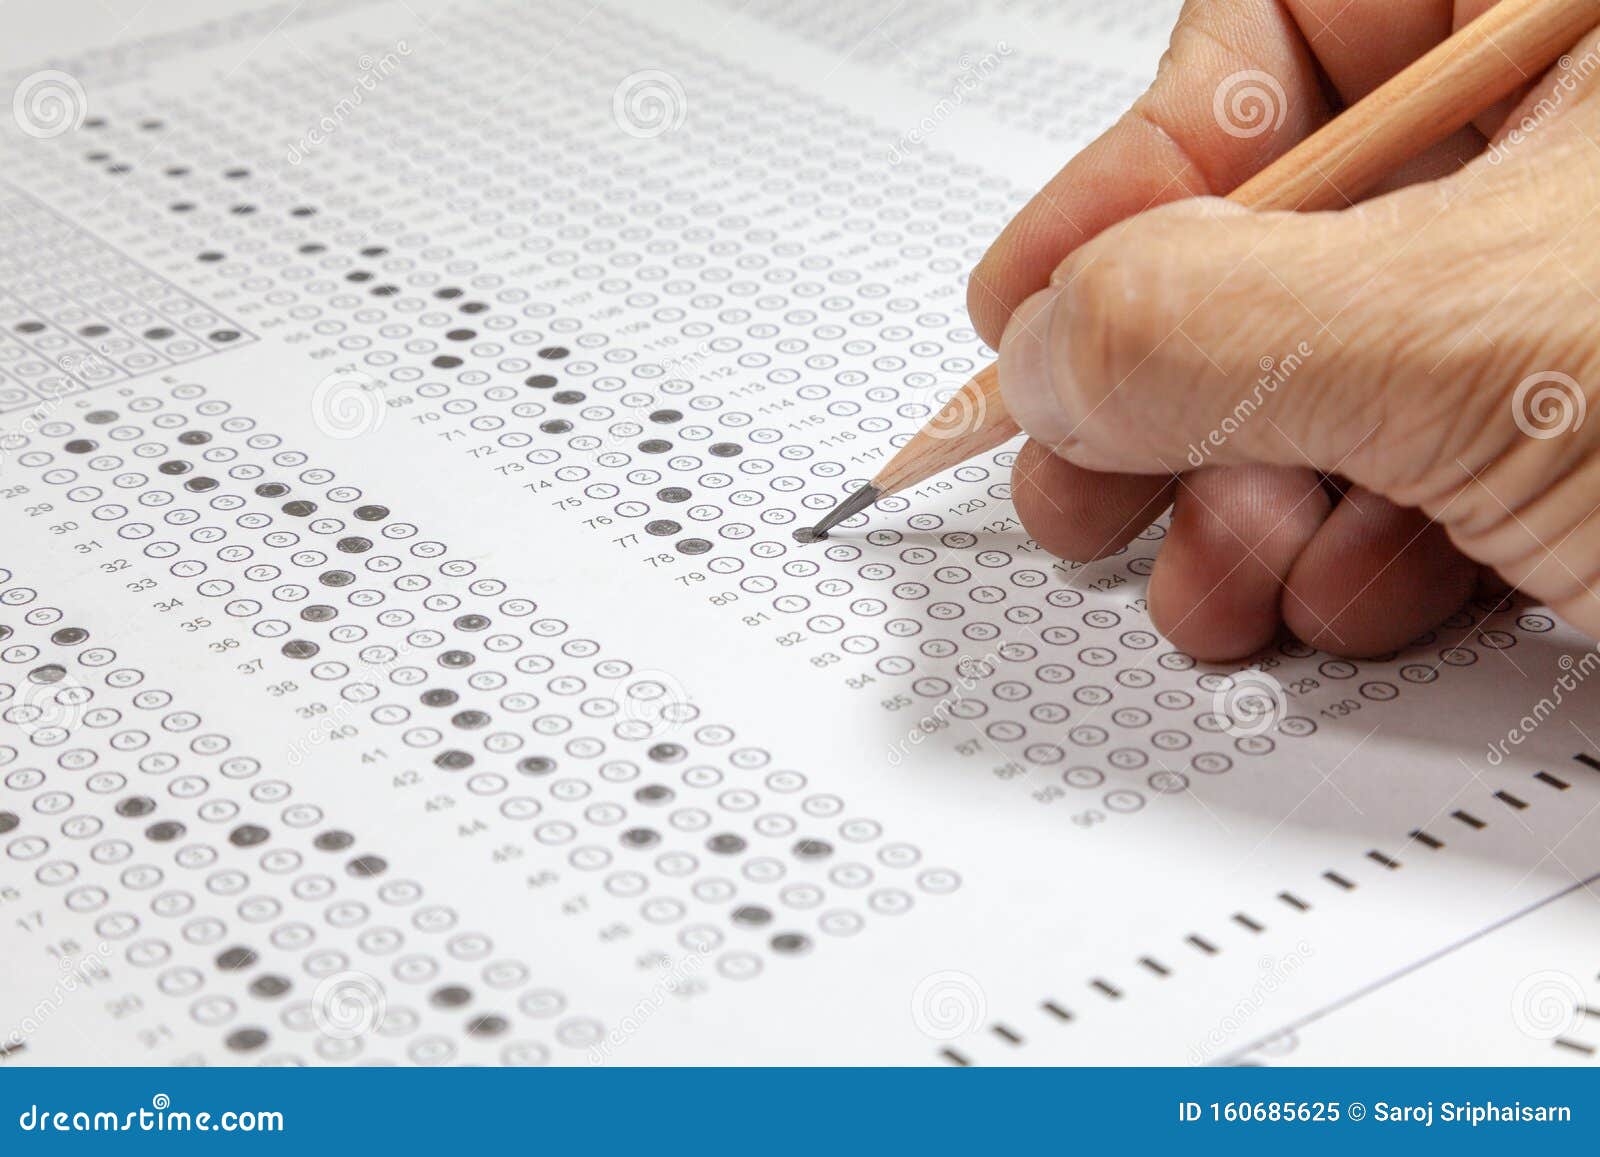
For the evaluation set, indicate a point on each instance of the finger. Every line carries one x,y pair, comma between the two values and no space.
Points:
1241,82
1361,43
1234,536
1206,334
1076,514
1168,146
1547,543
1351,74
1123,172
1550,102
1374,577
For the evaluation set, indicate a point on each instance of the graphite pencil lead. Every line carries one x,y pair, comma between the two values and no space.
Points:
851,504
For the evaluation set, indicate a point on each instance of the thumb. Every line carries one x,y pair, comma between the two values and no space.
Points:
1201,334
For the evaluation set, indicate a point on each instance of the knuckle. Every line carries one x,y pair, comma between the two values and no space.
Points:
1125,297
982,298
1104,324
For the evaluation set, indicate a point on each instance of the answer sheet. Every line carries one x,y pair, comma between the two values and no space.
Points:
405,413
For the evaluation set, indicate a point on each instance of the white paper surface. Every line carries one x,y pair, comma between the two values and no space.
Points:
573,767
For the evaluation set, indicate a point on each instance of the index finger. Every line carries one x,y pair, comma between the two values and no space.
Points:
1238,86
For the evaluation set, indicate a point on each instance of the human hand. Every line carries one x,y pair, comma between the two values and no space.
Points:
1366,404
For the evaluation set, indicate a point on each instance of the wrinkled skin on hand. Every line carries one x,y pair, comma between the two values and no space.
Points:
1357,415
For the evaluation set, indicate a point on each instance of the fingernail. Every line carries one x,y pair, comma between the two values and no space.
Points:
1026,369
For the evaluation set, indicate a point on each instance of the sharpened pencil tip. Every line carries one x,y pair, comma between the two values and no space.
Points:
850,504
